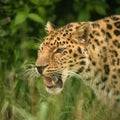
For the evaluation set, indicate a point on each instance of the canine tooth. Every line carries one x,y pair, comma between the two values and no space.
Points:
53,82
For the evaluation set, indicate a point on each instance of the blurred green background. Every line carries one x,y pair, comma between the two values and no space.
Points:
22,25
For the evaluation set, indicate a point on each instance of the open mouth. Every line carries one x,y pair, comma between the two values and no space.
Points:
53,82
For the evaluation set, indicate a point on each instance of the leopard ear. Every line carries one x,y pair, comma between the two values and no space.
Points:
81,32
49,27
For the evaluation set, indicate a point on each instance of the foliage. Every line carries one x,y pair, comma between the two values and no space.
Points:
21,32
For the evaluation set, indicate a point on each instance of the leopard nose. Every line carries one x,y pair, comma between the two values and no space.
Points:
41,68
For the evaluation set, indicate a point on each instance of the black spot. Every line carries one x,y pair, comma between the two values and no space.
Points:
98,83
118,71
65,52
108,90
69,25
71,65
108,35
77,27
106,69
106,20
75,55
84,36
95,25
88,78
70,61
94,63
113,62
117,32
117,24
97,42
80,70
109,26
64,34
57,44
101,41
70,29
101,55
114,18
104,48
118,100
93,47
106,39
102,31
60,43
82,63
70,51
115,82
64,62
104,59
115,53
91,36
114,76
116,43
96,33
104,79
82,57
58,38
66,42
118,61
51,44
79,50
88,69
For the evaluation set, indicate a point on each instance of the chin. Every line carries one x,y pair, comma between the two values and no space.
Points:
54,90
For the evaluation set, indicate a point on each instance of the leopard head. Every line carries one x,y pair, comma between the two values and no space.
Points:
61,54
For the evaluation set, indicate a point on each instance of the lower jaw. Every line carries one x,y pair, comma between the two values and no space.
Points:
53,90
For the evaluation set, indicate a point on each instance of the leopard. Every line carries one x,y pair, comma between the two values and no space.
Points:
88,50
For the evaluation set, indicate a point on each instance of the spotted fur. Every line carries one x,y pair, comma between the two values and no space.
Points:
90,50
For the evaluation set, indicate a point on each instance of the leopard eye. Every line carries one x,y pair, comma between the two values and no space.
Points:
59,50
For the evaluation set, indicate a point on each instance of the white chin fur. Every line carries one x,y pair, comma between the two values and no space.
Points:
54,90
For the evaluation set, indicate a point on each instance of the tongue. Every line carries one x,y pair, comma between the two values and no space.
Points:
49,81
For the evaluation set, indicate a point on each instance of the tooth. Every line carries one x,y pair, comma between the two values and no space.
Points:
53,82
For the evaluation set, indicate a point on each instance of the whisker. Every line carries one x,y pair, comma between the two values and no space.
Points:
74,74
57,74
30,71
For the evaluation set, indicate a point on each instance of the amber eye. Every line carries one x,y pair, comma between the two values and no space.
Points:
59,50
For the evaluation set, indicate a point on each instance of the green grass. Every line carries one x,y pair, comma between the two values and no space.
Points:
23,98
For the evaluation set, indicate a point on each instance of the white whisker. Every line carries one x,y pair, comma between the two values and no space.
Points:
30,71
73,74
